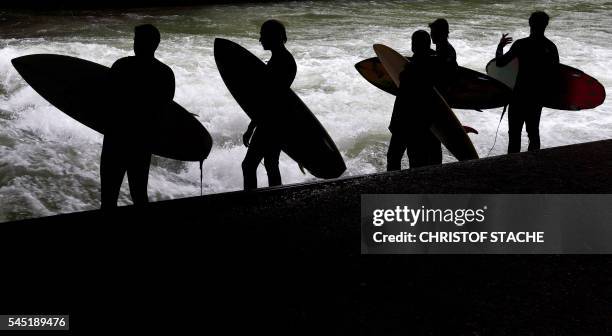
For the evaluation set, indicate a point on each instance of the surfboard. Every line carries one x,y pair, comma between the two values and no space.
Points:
301,135
446,127
506,74
469,89
82,89
572,90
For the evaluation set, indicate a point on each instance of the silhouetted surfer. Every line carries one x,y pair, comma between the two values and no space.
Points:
538,58
144,84
445,52
411,122
262,141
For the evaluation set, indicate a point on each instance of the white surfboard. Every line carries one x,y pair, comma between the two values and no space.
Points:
506,74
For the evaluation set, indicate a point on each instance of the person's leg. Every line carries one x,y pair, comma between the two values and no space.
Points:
112,170
251,160
138,176
397,147
532,124
434,149
515,126
417,156
418,147
271,163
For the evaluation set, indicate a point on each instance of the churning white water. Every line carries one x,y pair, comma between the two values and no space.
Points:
49,163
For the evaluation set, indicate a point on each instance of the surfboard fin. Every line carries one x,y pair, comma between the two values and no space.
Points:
302,169
469,129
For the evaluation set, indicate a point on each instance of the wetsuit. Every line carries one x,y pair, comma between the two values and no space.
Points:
538,60
142,86
410,124
265,144
447,60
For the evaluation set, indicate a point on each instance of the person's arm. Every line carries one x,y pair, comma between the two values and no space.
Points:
169,84
162,86
404,76
283,72
117,64
115,70
246,137
502,59
405,80
556,55
116,74
444,68
552,70
449,58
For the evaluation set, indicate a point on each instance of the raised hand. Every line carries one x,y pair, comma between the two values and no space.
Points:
504,41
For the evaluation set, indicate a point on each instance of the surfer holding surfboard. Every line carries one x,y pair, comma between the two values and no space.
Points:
143,84
410,123
539,60
262,141
130,104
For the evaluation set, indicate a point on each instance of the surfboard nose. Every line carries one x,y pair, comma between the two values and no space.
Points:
18,62
221,42
33,62
23,63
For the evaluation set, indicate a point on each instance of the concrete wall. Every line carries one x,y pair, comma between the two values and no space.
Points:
289,259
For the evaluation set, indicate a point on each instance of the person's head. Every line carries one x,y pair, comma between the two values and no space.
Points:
146,40
272,34
538,22
421,42
439,30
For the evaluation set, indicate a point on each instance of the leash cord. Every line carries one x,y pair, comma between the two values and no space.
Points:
497,131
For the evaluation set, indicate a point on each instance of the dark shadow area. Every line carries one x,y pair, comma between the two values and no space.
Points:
288,259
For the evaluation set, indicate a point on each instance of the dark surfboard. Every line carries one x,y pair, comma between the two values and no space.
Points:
82,90
571,90
302,136
469,90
